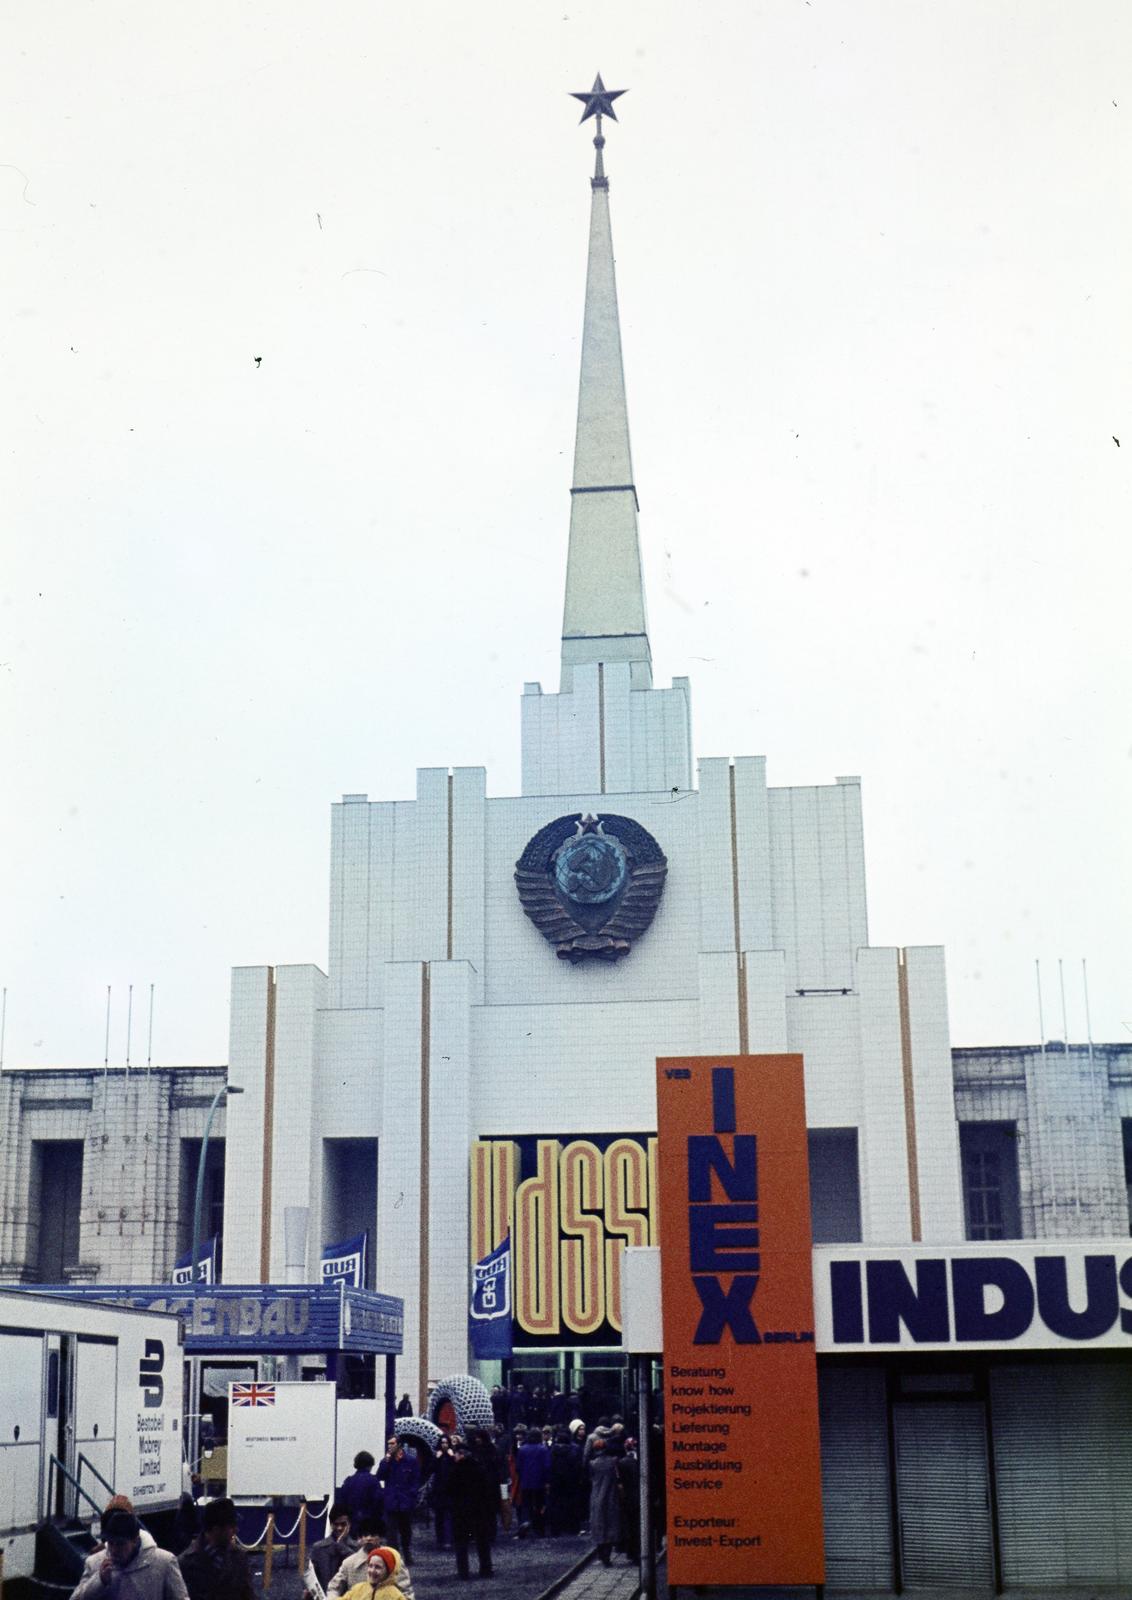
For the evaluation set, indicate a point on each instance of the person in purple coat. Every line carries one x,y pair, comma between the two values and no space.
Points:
400,1476
360,1495
532,1465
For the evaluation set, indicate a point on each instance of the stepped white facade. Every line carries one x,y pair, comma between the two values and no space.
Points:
445,1017
450,1079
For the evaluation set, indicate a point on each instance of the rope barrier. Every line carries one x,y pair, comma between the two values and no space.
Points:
313,1513
281,1534
254,1544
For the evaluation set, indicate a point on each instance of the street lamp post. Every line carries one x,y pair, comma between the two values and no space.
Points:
227,1088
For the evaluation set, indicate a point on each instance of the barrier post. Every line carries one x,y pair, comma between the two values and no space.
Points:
644,1479
269,1550
302,1539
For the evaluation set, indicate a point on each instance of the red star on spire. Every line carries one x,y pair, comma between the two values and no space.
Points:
598,100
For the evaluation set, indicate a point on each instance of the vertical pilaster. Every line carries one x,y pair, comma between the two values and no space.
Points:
719,1011
466,874
717,902
351,891
299,993
752,854
433,810
581,734
765,972
886,1211
449,1146
248,1057
399,1166
937,1132
616,729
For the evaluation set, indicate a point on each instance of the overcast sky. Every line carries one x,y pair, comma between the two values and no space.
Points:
292,323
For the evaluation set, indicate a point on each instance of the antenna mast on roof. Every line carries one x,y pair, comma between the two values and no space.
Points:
1088,1018
1064,1016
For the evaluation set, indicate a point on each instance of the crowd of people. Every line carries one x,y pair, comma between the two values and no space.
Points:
129,1566
537,1472
513,1480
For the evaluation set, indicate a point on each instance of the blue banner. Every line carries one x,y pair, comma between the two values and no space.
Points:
261,1316
345,1262
206,1264
489,1314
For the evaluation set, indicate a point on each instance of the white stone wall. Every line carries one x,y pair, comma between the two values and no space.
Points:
639,739
937,1133
300,993
243,1178
1067,1107
574,1069
765,897
131,1126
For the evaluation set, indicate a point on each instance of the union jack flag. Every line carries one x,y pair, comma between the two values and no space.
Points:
253,1394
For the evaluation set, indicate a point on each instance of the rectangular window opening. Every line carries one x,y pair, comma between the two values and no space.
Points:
349,1195
57,1187
988,1152
212,1197
835,1186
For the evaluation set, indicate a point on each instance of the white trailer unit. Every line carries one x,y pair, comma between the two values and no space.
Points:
90,1405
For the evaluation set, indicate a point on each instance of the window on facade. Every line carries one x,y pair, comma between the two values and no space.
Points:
989,1155
57,1189
212,1197
349,1195
1126,1126
835,1186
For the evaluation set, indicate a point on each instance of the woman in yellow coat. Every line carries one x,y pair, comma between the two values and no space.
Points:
387,1578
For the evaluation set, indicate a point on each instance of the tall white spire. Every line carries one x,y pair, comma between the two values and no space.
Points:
604,616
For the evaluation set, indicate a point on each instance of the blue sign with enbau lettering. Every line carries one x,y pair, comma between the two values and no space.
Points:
262,1316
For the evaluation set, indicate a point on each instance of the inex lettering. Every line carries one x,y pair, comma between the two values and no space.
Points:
724,1236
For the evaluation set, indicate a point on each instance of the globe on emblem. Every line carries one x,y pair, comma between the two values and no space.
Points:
591,868
591,885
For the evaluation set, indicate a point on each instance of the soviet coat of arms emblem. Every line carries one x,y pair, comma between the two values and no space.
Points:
591,885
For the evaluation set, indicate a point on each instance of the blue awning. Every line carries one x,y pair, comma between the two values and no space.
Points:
266,1317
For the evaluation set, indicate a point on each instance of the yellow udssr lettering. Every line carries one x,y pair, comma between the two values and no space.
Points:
535,1245
583,1278
480,1202
494,1168
626,1215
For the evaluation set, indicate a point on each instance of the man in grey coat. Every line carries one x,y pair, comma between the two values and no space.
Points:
605,1503
129,1570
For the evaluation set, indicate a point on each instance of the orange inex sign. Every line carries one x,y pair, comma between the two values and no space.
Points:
740,1375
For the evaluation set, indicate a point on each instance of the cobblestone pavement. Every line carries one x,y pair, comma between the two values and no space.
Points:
523,1570
595,1582
526,1568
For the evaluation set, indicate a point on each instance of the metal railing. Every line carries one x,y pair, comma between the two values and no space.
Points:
85,1461
56,1465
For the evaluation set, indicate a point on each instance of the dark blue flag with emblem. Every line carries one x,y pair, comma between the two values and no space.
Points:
489,1315
345,1262
205,1268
